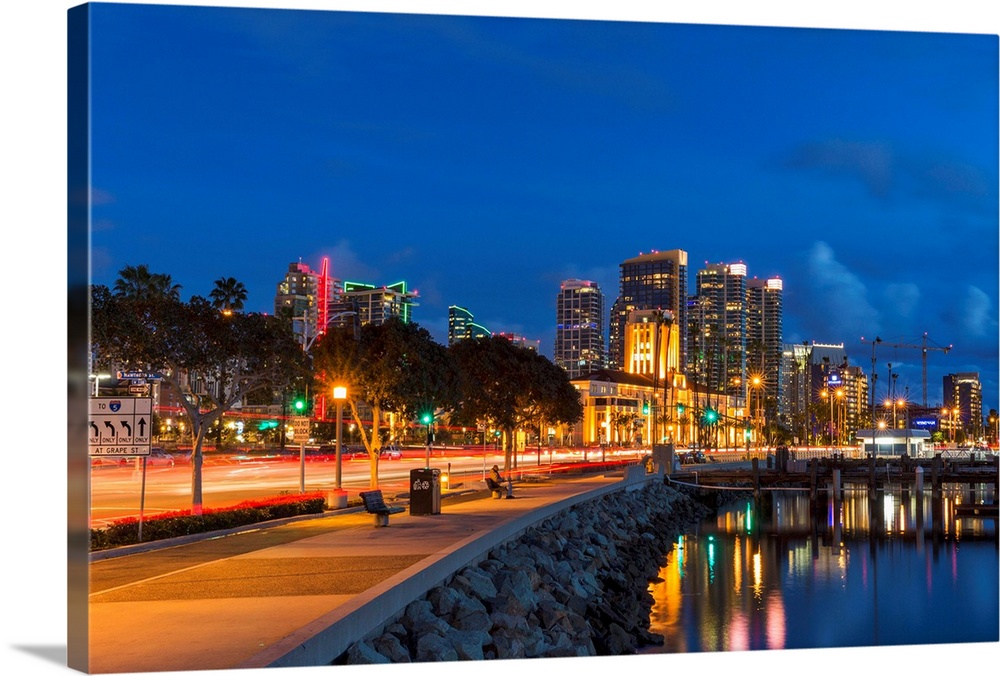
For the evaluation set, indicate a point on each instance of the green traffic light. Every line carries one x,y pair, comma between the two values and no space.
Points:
645,409
299,404
427,418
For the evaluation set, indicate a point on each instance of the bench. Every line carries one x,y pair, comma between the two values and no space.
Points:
375,505
499,491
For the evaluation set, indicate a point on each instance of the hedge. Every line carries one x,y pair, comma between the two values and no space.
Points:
175,524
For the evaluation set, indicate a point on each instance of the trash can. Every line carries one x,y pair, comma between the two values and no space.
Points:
425,491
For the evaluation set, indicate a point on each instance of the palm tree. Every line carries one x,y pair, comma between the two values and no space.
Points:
137,282
228,295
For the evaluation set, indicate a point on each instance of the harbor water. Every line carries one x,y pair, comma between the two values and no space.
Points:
781,572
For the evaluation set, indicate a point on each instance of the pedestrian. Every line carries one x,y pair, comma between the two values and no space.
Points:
495,482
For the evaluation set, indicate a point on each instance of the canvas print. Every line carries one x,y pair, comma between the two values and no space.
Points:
424,338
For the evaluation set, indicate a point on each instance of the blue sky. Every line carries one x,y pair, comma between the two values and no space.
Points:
486,159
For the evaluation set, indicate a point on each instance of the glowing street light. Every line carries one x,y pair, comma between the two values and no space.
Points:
339,395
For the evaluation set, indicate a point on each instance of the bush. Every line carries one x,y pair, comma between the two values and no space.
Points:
175,524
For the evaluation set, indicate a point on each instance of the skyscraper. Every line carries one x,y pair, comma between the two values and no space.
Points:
764,334
717,328
579,344
964,392
462,325
653,281
305,296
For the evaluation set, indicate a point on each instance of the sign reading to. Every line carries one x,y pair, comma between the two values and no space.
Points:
120,425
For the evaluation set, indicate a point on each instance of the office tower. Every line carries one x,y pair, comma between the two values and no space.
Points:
361,304
579,344
964,392
653,281
796,386
717,328
764,335
305,296
462,325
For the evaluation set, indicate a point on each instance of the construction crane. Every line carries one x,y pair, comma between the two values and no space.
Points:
923,347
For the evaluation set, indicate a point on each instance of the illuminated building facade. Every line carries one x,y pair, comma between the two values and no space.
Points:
964,392
361,304
305,296
764,335
579,342
717,328
653,281
462,325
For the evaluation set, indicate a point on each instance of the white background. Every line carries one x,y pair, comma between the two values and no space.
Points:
33,151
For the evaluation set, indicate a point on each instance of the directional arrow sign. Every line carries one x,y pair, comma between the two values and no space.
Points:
120,425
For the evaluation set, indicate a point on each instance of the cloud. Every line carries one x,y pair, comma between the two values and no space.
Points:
887,171
345,264
870,163
904,298
836,297
974,313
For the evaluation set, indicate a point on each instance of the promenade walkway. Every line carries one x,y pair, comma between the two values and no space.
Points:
291,595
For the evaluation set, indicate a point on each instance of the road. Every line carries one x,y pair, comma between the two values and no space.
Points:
117,492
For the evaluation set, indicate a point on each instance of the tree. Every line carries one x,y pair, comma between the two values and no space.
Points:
394,367
507,386
138,283
228,295
210,360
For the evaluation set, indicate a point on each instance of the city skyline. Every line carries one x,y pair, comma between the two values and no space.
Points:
484,160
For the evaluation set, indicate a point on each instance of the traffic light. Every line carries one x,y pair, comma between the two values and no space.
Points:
427,418
711,416
299,405
645,408
680,410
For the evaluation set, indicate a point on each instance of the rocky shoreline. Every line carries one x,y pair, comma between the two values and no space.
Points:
575,585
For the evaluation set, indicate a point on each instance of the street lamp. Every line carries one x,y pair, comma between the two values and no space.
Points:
339,395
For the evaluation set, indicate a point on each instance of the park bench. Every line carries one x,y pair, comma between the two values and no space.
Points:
375,505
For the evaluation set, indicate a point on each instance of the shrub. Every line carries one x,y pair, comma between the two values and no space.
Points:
175,524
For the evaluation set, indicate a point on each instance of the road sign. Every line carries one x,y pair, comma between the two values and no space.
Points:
120,425
300,428
138,389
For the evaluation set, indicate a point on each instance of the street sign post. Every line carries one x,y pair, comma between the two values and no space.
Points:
120,425
300,428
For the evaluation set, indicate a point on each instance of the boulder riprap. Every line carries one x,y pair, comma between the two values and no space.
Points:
577,584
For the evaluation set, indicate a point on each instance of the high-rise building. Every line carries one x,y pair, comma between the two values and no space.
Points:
579,344
764,335
653,281
361,304
717,328
964,392
462,325
305,296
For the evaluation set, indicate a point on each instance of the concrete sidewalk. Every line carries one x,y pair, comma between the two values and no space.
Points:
295,594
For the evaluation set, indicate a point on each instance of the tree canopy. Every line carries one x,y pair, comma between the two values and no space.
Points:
211,360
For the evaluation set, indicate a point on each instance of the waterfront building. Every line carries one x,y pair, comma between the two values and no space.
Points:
796,389
579,342
765,336
717,328
462,325
963,400
653,281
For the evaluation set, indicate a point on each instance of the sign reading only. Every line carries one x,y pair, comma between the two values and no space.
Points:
120,425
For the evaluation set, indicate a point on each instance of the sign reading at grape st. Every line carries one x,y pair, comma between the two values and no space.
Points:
120,425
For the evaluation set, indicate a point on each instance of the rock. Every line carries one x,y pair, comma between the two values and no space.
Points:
362,653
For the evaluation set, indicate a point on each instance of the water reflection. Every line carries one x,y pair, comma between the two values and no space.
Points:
782,572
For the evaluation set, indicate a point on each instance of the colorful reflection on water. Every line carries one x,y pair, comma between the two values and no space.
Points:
779,573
